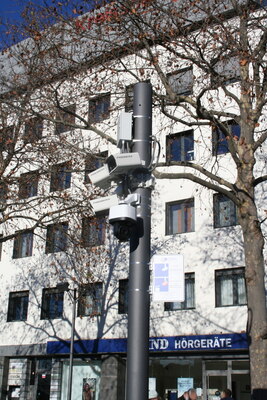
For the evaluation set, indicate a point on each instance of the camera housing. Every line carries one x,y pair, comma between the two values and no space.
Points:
101,177
123,218
116,166
101,205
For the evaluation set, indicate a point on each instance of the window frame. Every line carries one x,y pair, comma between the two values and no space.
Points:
22,239
222,67
47,294
92,236
33,130
51,239
219,140
182,137
60,178
65,118
182,89
28,185
218,199
123,302
23,305
169,226
234,274
184,305
99,108
93,291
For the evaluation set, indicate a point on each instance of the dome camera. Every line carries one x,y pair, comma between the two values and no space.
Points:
123,218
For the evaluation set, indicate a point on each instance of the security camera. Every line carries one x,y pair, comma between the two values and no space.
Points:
103,204
116,166
120,164
100,177
123,218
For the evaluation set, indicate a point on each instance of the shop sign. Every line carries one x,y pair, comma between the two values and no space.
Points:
231,341
200,342
15,375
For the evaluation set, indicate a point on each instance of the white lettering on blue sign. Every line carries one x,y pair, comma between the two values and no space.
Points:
158,344
214,343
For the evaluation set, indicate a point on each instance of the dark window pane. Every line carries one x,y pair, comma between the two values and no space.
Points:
123,296
180,147
90,301
52,303
28,185
219,139
65,118
56,239
18,306
7,138
129,98
224,211
99,109
60,177
33,130
93,231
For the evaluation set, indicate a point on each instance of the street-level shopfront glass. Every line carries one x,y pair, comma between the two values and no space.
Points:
172,376
86,378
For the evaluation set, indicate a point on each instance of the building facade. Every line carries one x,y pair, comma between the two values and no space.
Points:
201,342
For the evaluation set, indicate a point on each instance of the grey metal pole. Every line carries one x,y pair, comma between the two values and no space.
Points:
139,298
72,343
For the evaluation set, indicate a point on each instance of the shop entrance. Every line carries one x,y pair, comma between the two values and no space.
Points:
219,375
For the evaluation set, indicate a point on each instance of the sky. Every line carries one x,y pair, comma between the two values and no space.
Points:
10,12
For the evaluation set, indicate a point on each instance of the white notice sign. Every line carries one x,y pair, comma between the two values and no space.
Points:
168,278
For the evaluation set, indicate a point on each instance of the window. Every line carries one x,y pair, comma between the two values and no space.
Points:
93,231
181,81
56,238
33,130
28,185
7,138
60,177
129,98
230,288
180,146
92,162
52,303
99,108
18,306
224,211
23,244
219,139
123,296
1,246
90,300
189,301
180,217
228,71
65,118
3,192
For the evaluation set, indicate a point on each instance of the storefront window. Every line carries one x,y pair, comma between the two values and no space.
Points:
86,377
169,375
216,365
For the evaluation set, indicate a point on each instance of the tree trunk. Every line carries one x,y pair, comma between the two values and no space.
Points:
257,312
